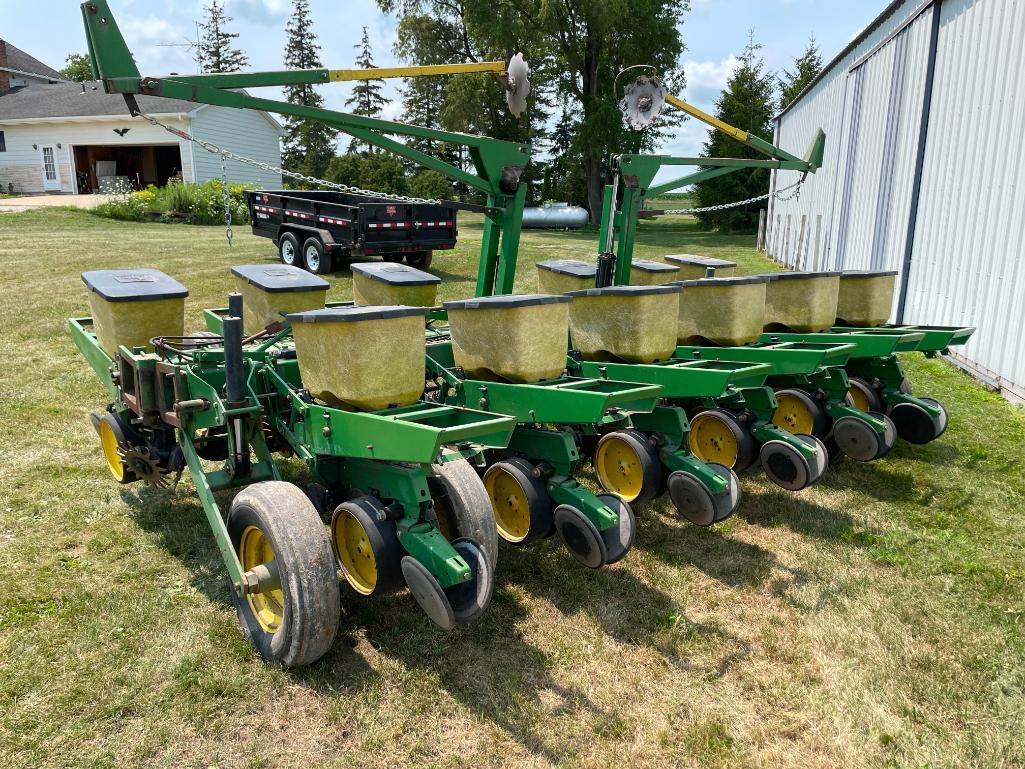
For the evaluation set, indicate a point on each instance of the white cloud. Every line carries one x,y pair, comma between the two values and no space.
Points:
158,45
260,11
706,79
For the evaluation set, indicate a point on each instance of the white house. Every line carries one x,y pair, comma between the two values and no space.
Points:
57,136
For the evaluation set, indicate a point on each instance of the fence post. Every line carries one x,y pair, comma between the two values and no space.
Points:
760,242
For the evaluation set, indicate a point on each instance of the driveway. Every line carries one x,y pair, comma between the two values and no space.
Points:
27,202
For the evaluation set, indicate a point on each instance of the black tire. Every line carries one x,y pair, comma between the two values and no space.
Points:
309,599
738,458
620,538
421,260
785,465
637,480
373,543
469,599
916,425
514,488
580,536
798,412
944,420
392,257
864,394
288,250
316,259
462,507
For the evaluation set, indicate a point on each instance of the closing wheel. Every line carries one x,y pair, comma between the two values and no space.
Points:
427,592
581,537
288,250
821,463
857,439
114,442
716,436
367,546
627,466
726,504
916,425
461,507
889,435
864,397
469,599
619,538
799,413
292,617
523,509
944,416
785,465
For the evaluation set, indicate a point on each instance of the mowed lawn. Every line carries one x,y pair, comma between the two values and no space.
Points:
874,620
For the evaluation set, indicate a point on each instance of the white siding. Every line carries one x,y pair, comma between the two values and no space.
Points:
243,132
23,165
970,228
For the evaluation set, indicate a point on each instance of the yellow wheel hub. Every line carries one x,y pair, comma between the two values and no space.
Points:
859,399
268,606
712,440
355,553
620,469
509,500
111,452
793,415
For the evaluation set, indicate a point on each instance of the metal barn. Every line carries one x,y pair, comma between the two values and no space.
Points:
923,172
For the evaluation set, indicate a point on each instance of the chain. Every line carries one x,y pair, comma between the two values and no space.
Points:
796,187
227,199
229,155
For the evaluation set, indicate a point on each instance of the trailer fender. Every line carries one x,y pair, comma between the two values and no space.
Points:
326,238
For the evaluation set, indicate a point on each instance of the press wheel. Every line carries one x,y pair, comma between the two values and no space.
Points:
916,425
581,537
469,599
428,593
787,467
281,541
618,539
799,413
717,436
367,546
523,509
627,466
857,439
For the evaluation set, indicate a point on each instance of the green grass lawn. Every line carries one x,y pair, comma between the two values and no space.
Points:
874,620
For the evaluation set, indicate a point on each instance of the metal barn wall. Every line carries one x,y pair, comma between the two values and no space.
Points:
969,225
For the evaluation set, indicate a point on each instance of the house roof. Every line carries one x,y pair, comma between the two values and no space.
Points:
57,100
21,61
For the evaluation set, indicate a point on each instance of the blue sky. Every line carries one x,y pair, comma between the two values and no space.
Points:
715,31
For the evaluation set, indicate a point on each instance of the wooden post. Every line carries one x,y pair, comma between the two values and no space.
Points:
760,242
818,242
800,244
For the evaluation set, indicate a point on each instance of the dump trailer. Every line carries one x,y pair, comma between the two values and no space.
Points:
317,229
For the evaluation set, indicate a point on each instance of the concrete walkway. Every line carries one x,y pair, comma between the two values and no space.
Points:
26,202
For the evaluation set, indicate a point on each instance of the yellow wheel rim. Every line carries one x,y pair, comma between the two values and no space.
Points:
712,440
111,453
267,606
510,503
859,399
793,415
355,553
620,469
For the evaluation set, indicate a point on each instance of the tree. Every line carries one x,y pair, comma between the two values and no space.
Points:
748,102
431,185
309,145
376,171
77,67
215,52
367,98
807,66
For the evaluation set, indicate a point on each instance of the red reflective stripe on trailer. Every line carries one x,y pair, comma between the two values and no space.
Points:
329,220
388,225
299,214
433,224
267,209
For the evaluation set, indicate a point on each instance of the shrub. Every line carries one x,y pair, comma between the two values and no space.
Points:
178,202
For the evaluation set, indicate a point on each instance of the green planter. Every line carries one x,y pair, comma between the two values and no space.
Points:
362,358
512,338
390,283
866,298
130,307
723,311
636,324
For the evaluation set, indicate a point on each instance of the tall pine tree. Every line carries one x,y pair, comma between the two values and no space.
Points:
309,145
806,67
367,98
215,53
748,102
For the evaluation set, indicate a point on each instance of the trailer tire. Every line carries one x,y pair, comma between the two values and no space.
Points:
462,507
421,260
288,250
316,259
295,624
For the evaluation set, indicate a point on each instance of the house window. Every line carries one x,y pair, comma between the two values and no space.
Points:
3,145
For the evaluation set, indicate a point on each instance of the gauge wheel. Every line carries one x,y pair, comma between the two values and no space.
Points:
799,413
461,507
288,250
519,497
627,466
292,620
618,539
366,544
864,397
717,436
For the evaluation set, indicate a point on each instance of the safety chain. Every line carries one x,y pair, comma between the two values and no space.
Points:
229,155
227,199
796,187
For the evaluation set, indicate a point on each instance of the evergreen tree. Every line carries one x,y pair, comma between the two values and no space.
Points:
748,102
216,53
309,145
807,66
367,98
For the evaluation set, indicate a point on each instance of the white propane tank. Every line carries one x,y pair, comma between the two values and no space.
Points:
552,216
